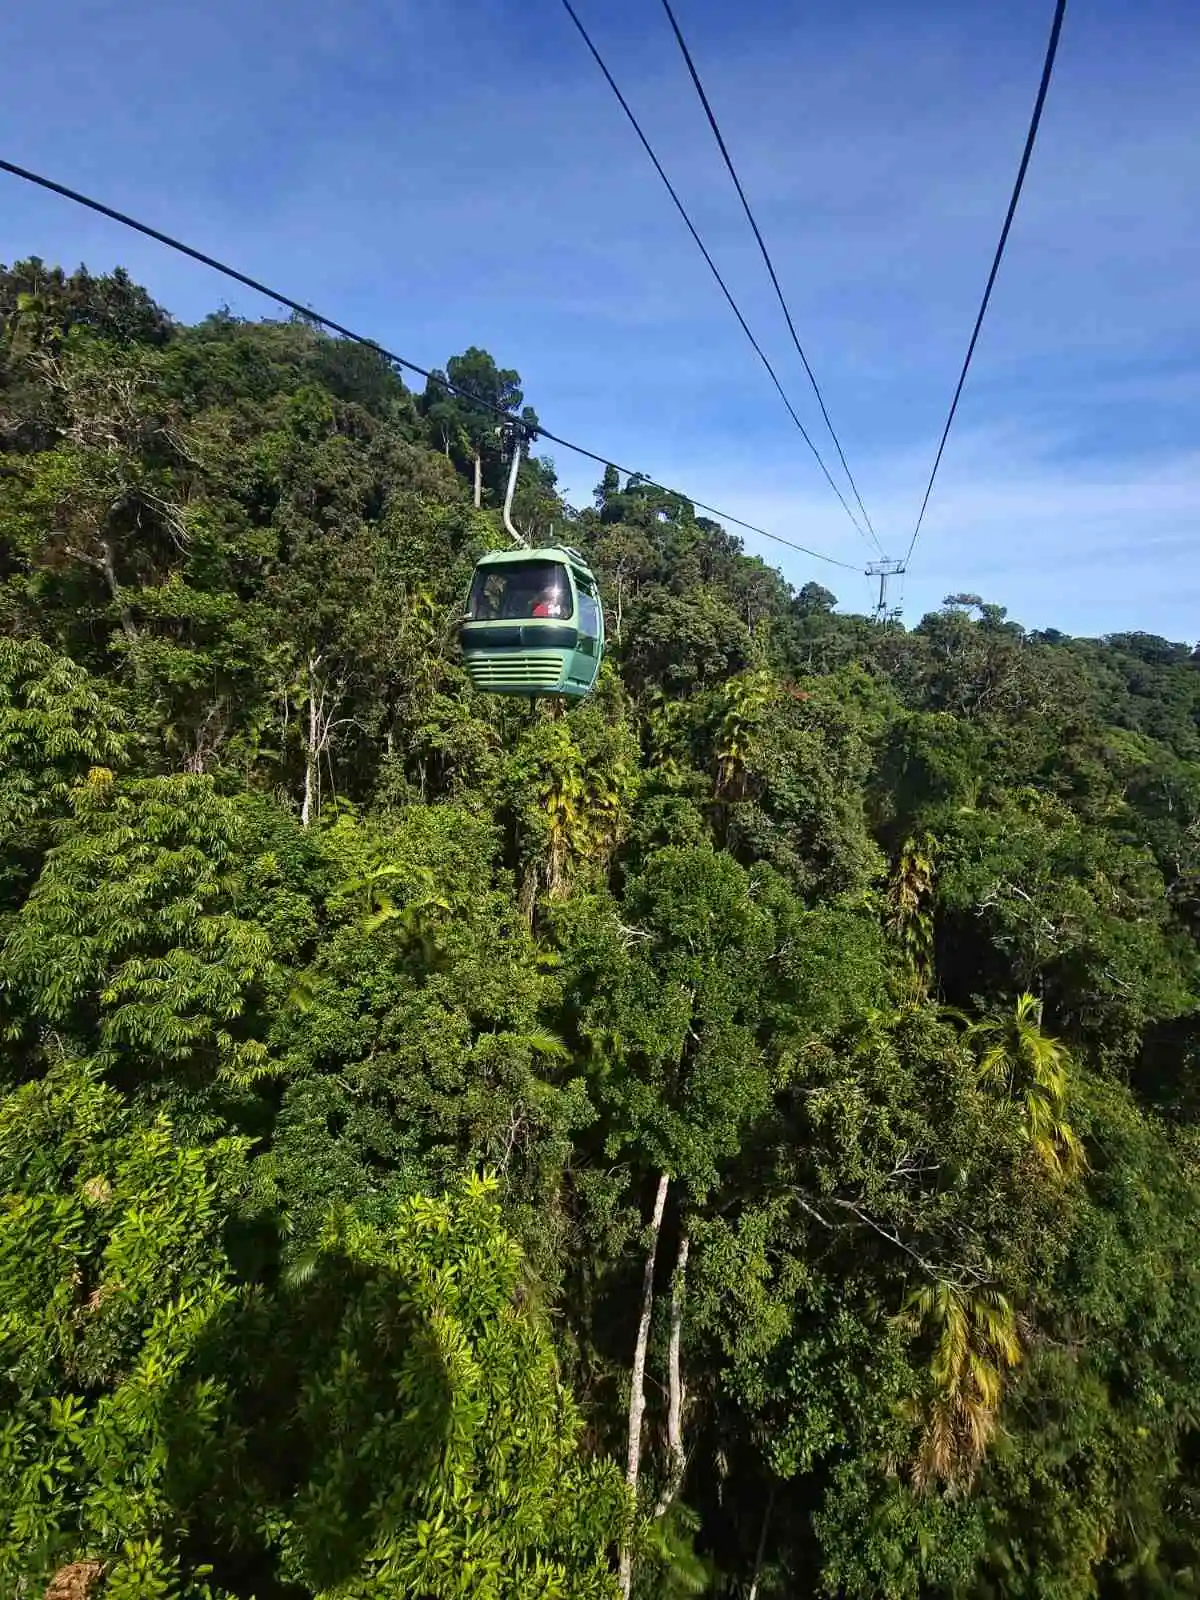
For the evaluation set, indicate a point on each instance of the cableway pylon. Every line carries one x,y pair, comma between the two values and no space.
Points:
885,571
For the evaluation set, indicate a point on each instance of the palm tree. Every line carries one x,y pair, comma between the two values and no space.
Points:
745,698
977,1340
1026,1065
910,911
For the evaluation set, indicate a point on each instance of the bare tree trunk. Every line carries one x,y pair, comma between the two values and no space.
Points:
207,739
762,1546
106,565
478,480
109,568
637,1376
557,859
676,1456
527,898
312,749
674,1382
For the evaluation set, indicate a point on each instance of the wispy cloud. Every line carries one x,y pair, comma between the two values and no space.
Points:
1032,539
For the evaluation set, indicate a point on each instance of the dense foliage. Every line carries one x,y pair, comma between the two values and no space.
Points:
737,1135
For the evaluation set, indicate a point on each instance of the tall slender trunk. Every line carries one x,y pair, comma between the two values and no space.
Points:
676,1455
106,564
762,1546
637,1376
527,897
312,749
109,568
478,480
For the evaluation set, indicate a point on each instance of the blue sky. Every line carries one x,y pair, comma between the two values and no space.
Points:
456,172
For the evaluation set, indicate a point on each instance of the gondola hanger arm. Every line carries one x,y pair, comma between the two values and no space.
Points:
515,442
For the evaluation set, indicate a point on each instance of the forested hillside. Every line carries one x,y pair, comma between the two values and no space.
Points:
775,1080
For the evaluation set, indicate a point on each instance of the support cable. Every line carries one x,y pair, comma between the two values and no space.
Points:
712,266
770,265
309,315
1030,139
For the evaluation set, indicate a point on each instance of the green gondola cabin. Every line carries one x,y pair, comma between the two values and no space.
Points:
534,624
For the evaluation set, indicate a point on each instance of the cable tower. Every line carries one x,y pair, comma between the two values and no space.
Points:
885,571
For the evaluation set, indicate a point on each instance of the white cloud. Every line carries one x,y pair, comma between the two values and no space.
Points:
1085,549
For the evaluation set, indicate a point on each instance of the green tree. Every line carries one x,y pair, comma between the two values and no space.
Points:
464,420
113,1272
152,940
394,1417
422,1044
424,1441
56,724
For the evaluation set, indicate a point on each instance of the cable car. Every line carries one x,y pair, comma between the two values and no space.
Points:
534,624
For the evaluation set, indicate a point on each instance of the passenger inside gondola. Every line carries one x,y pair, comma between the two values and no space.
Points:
504,594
